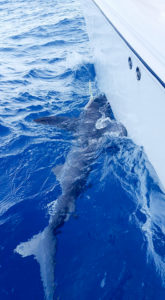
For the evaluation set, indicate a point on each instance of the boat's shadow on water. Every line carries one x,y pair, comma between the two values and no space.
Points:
137,176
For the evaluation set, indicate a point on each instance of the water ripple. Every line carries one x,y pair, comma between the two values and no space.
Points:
4,130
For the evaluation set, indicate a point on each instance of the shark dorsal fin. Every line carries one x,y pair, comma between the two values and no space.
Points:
62,122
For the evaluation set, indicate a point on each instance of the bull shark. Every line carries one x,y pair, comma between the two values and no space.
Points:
95,121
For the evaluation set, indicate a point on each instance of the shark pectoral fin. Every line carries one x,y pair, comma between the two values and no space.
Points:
42,246
57,171
62,122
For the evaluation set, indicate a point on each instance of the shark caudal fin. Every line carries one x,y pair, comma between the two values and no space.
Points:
42,246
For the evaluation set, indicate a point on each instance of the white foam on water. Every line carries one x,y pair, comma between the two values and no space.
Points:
75,59
155,216
152,204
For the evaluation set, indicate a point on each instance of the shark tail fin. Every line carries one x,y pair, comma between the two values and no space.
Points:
42,246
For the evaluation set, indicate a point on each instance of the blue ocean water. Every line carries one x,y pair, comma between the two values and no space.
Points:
113,246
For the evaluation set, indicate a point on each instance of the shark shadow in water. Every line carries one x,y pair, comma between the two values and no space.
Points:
94,123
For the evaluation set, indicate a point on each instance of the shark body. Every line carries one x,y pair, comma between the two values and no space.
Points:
95,121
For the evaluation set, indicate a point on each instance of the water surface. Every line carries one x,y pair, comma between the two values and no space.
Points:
113,245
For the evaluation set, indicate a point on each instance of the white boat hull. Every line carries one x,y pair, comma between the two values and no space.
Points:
138,104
